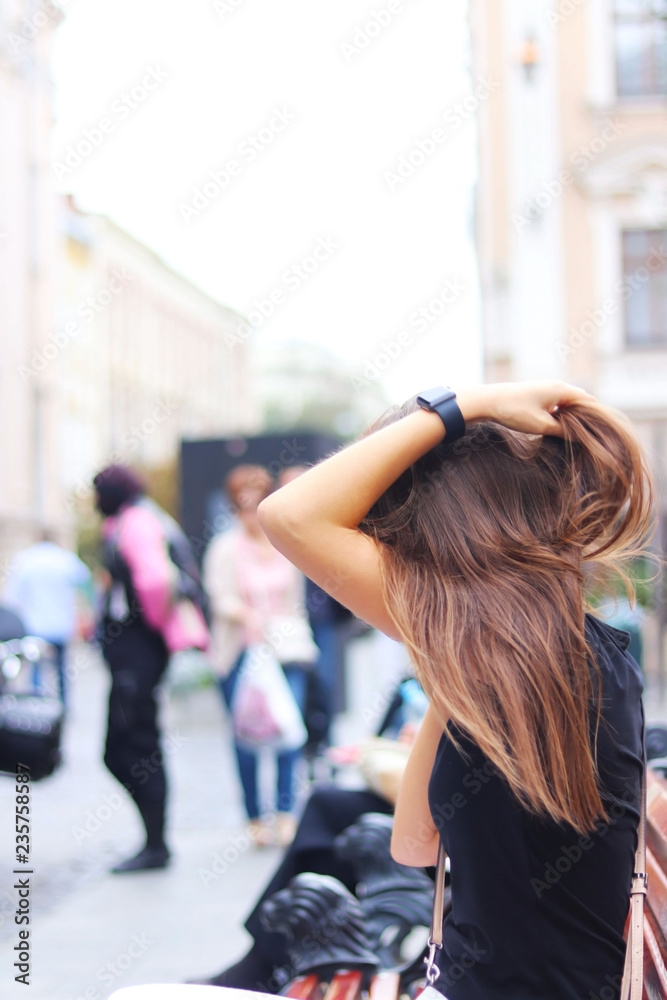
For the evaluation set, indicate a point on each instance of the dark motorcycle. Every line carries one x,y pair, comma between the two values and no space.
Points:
31,712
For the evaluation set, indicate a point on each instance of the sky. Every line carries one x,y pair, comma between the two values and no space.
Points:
309,164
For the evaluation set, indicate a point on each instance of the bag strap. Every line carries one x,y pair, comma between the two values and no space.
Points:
435,937
633,972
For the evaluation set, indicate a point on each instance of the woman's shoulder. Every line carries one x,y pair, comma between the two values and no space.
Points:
604,633
612,657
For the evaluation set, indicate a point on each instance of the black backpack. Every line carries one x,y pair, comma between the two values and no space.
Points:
180,552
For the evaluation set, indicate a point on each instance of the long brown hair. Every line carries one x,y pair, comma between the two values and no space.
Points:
484,544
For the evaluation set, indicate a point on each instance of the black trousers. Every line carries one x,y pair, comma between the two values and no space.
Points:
328,812
137,658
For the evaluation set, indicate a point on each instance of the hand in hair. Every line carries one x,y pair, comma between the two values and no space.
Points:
523,406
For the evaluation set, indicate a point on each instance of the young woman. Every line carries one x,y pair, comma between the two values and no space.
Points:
528,764
255,592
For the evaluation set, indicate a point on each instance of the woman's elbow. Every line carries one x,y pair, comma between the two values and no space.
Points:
266,512
276,517
415,852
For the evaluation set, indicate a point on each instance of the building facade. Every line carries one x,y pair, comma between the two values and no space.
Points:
141,356
572,208
28,463
107,354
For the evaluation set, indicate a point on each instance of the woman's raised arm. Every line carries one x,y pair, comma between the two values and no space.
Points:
314,519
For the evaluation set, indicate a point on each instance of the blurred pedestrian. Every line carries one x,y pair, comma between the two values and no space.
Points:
328,811
11,626
151,608
256,595
42,588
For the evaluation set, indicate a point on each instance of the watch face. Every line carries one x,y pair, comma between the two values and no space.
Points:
433,397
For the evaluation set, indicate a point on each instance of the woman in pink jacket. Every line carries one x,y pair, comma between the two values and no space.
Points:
152,607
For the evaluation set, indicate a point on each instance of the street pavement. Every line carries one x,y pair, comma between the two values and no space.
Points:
93,932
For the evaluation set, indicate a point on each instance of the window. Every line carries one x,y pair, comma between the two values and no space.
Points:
641,47
645,287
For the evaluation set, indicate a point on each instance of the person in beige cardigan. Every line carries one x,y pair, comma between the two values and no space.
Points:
256,595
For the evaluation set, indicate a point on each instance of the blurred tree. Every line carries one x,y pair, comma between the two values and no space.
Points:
88,535
644,578
162,483
304,387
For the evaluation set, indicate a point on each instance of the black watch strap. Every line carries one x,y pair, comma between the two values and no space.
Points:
442,401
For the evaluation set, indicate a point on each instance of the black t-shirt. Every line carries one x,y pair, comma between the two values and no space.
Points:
538,910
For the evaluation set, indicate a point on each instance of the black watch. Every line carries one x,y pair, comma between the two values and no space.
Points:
442,400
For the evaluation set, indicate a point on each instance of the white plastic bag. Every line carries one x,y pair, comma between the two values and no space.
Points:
264,711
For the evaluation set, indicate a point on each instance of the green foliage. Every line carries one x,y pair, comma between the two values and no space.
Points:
644,578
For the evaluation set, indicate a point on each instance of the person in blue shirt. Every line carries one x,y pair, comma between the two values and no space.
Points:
42,588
